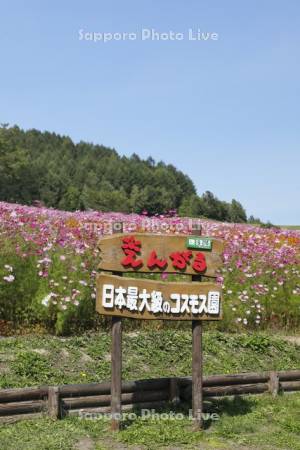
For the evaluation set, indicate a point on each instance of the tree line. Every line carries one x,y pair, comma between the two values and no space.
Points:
52,169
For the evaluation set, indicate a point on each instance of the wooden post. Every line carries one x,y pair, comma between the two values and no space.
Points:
274,383
174,391
53,402
197,400
116,372
197,362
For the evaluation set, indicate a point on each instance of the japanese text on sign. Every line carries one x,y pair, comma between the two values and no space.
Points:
133,299
179,260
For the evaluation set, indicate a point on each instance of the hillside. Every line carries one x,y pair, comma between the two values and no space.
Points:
45,167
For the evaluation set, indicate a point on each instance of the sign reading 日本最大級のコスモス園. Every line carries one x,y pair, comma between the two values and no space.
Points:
161,253
150,299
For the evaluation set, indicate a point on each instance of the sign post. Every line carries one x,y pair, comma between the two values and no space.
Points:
146,299
197,356
197,369
116,371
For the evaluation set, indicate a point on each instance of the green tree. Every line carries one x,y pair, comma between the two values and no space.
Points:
237,212
52,169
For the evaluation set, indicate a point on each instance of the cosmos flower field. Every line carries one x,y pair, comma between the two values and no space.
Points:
48,263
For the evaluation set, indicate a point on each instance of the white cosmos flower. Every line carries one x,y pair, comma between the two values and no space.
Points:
48,297
9,278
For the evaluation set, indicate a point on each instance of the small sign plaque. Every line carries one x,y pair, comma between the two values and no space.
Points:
197,242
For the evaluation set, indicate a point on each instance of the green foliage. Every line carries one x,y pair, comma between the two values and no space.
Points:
269,225
46,167
52,169
275,307
237,212
17,298
256,221
31,365
211,207
21,301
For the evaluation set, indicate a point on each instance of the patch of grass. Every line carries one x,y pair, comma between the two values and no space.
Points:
35,360
256,422
46,434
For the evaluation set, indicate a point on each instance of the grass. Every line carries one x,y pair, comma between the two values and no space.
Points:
249,422
256,422
35,360
290,227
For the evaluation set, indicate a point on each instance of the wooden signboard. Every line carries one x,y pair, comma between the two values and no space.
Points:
161,253
149,299
141,298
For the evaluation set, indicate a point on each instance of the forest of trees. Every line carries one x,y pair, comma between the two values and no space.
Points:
49,168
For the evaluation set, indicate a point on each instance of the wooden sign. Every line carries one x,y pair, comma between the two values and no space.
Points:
141,298
150,299
161,253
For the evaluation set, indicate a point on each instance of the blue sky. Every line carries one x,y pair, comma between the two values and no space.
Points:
224,111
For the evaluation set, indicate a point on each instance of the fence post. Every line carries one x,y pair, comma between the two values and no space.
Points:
174,391
53,402
274,383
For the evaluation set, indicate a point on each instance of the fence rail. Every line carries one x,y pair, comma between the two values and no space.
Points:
59,401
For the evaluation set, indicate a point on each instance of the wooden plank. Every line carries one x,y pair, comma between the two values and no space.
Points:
104,388
244,378
289,375
290,386
175,294
34,406
228,380
23,394
219,391
106,409
80,390
197,388
105,400
116,372
112,254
